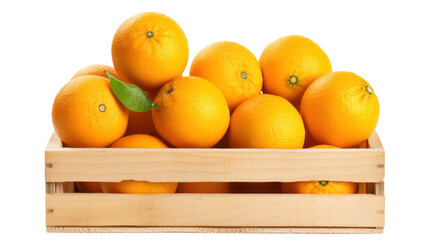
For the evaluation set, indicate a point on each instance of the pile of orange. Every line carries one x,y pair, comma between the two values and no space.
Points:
287,99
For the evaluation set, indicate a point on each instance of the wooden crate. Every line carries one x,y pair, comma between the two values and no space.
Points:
67,211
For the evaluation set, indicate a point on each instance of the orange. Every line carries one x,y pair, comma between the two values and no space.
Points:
232,68
96,70
149,49
266,121
290,64
139,141
320,187
340,109
142,122
192,113
88,187
86,113
129,186
323,146
204,187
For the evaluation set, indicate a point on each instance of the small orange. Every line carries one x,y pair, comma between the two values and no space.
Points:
266,121
204,187
142,122
290,64
192,113
139,141
149,49
340,109
86,113
320,187
96,70
88,187
232,68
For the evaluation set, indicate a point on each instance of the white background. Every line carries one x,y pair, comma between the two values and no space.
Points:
44,43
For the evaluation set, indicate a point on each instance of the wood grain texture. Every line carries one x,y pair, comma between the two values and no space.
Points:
213,165
302,230
222,210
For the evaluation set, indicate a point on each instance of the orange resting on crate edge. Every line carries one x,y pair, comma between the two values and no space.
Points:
340,109
204,187
266,121
192,113
139,141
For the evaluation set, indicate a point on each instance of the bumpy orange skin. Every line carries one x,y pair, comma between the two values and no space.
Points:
266,121
88,187
78,116
96,70
149,49
232,68
139,141
315,187
204,187
292,56
192,113
142,122
338,109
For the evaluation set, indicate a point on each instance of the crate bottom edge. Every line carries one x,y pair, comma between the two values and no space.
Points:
293,230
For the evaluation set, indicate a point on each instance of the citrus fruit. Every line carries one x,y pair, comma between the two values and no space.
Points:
130,186
320,187
289,64
142,122
232,68
204,187
340,109
86,113
192,113
266,121
96,70
139,141
88,187
149,49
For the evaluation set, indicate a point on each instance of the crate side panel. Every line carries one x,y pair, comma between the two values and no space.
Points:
228,165
250,210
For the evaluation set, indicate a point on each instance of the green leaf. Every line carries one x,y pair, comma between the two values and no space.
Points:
130,95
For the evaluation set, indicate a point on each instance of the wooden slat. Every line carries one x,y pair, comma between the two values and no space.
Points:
263,210
54,142
293,230
213,165
374,141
